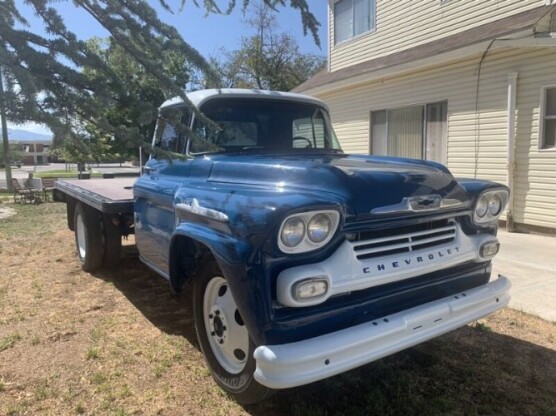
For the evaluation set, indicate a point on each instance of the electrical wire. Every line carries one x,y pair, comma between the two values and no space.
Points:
477,115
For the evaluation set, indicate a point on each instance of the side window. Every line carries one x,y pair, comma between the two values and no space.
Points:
169,138
171,131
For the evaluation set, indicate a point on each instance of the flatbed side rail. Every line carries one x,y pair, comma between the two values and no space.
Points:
113,197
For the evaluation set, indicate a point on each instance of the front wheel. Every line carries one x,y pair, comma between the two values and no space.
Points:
223,336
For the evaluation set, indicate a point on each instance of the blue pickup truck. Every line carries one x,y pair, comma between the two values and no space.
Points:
305,261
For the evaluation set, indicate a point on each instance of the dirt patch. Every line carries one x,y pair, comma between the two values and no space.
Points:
6,212
118,342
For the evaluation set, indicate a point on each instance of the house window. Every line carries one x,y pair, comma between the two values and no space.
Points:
548,122
353,17
417,132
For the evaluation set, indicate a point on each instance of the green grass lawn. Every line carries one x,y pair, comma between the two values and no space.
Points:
64,174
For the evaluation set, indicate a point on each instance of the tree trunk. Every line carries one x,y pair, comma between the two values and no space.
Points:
6,143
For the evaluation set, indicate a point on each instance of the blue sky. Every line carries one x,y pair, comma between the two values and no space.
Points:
208,34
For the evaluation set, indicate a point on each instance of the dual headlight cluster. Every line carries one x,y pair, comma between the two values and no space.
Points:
489,206
307,231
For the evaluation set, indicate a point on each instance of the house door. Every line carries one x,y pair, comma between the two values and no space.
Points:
436,131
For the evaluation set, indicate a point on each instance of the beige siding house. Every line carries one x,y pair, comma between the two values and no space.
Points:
471,84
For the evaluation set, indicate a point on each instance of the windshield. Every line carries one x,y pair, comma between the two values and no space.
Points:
271,125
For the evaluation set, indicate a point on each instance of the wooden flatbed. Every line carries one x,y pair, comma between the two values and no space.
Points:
111,196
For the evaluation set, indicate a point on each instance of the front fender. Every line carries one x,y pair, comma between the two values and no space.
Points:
250,290
223,245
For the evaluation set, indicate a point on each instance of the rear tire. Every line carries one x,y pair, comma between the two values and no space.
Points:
70,211
112,242
88,237
223,337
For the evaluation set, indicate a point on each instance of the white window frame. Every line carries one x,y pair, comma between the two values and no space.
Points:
332,4
542,117
444,151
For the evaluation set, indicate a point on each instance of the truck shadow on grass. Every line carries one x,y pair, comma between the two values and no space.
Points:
152,295
474,370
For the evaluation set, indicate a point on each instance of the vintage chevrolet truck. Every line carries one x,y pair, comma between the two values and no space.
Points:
305,262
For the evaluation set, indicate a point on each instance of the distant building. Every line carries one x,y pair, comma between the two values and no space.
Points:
471,84
34,152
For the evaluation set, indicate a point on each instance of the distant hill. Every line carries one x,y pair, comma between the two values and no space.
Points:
24,135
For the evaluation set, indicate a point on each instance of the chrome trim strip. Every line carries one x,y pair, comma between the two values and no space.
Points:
412,204
192,206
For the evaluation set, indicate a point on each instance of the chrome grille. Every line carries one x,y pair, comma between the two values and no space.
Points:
404,242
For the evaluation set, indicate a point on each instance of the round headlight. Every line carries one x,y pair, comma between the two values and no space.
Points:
293,232
319,228
494,205
482,207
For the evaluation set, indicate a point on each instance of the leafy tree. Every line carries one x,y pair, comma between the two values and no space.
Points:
43,74
267,59
15,153
132,111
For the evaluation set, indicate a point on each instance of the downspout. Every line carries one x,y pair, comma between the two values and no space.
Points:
329,37
512,99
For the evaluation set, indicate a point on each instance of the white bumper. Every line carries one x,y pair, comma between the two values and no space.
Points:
298,363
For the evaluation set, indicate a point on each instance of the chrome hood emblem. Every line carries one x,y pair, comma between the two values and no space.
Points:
421,203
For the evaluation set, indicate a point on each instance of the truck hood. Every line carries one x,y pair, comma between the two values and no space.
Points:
365,183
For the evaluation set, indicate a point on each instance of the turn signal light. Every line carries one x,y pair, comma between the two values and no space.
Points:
310,289
490,249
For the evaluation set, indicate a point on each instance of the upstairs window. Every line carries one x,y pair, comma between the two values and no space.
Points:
352,18
548,121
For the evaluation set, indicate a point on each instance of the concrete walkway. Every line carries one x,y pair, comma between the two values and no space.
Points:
529,261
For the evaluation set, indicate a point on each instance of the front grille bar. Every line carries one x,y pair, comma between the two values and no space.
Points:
404,242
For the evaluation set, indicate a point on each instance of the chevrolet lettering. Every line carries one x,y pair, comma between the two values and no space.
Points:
302,261
408,261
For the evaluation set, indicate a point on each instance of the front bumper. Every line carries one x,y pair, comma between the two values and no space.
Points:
298,363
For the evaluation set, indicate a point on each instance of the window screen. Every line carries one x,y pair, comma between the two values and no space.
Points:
343,14
352,18
549,120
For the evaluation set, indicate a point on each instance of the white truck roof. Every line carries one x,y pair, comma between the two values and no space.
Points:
199,97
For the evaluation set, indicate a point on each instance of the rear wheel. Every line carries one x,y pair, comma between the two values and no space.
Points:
88,237
223,336
112,241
